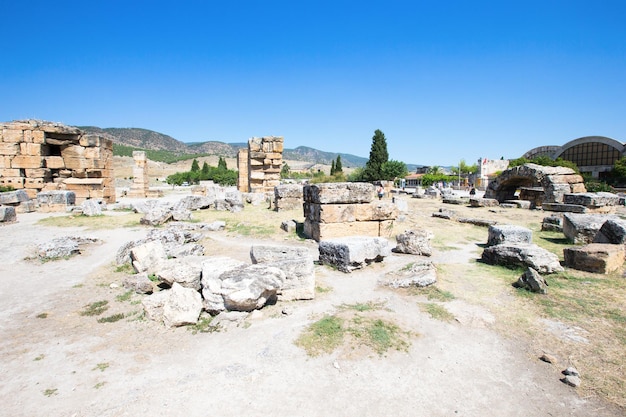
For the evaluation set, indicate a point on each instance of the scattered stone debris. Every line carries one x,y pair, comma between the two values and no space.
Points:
524,255
532,281
552,223
417,274
63,247
415,242
572,377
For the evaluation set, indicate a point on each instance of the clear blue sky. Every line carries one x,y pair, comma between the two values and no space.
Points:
444,80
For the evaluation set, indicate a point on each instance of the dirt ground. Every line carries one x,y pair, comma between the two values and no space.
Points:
57,362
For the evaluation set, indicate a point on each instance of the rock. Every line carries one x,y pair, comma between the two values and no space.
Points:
564,208
146,206
477,222
153,305
7,214
147,257
553,223
571,380
612,231
229,319
157,216
570,370
445,214
92,207
184,271
62,247
181,215
454,200
523,254
13,197
418,274
583,228
255,199
507,233
216,226
299,282
288,226
339,193
522,204
140,283
56,197
251,287
353,252
546,357
532,281
600,258
212,269
415,242
273,253
188,249
483,202
194,202
182,306
592,200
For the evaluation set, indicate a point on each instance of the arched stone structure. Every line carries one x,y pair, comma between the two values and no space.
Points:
555,182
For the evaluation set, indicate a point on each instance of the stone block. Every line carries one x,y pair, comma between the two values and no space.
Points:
13,197
67,198
54,162
9,148
612,231
37,173
73,151
591,199
15,182
289,191
339,193
11,172
564,208
320,231
343,213
26,161
82,163
12,135
32,149
508,234
33,183
7,214
582,228
38,136
90,141
600,258
353,252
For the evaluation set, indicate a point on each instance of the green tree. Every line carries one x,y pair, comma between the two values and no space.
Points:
332,167
392,169
434,170
205,171
338,165
195,166
221,164
285,171
378,156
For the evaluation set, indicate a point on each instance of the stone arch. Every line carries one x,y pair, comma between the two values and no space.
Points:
553,181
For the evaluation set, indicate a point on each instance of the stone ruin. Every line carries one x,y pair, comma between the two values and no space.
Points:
260,164
38,156
139,188
288,196
346,209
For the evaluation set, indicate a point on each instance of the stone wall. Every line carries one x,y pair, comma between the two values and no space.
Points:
243,184
265,160
346,209
43,156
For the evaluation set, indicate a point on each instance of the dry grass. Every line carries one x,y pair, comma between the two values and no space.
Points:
128,219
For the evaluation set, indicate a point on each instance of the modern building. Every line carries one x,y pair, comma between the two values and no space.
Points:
592,154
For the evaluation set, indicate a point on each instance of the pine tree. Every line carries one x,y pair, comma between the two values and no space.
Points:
338,166
332,167
195,166
221,164
378,156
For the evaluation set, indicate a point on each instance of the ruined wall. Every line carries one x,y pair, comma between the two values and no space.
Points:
43,156
265,160
243,185
139,188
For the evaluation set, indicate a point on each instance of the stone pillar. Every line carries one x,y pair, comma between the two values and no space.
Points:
265,160
139,188
243,184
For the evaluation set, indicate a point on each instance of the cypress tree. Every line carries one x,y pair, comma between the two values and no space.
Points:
378,156
338,166
332,167
195,166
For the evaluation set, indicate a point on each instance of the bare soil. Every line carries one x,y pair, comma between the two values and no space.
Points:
57,362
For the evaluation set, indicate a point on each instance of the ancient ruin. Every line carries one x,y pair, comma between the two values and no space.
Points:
139,188
259,166
41,156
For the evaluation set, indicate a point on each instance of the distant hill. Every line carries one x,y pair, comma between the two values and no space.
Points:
151,140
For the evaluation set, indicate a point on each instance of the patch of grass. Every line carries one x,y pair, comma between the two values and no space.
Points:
249,229
42,316
95,309
432,292
437,311
50,392
153,278
101,366
321,290
361,307
124,297
323,336
379,334
94,222
126,268
111,319
78,286
40,357
99,385
204,326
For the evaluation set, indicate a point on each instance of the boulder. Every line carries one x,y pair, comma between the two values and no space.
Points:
353,252
416,274
182,306
56,197
147,256
582,228
477,222
63,247
273,253
184,271
532,281
612,231
592,200
552,223
7,214
507,233
288,226
157,216
153,305
415,242
180,214
251,287
194,202
187,249
600,258
92,207
524,255
255,199
212,269
140,283
216,226
299,282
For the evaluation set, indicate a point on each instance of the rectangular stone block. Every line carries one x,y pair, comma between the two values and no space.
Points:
12,135
11,172
15,182
81,163
341,213
600,258
13,197
33,183
54,162
257,175
339,193
26,161
33,149
28,136
93,153
321,231
89,140
38,173
9,148
38,136
73,151
256,162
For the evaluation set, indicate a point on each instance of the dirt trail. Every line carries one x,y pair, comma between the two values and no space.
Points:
70,365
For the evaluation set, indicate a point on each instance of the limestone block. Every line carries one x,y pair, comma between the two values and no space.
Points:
278,146
273,253
73,151
269,176
30,205
340,213
37,172
15,182
7,214
612,231
12,135
257,175
9,148
182,306
26,161
353,252
33,183
32,193
11,172
273,155
33,149
28,136
508,234
299,283
13,197
564,208
287,204
320,231
578,188
256,163
288,191
337,193
601,258
54,162
5,162
522,254
93,153
90,140
81,163
38,136
582,228
592,199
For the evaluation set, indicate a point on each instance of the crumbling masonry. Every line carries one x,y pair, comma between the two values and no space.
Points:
43,156
260,165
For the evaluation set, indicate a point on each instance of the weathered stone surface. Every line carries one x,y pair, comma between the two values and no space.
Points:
147,256
612,231
564,208
593,200
354,252
289,191
446,214
299,282
153,305
184,271
212,269
339,193
91,208
216,226
140,283
61,197
522,254
600,258
419,274
483,202
507,233
181,215
532,281
522,204
477,222
157,216
415,242
194,202
256,199
251,287
552,223
582,228
63,247
345,213
13,197
288,226
322,231
273,253
455,200
7,214
182,306
184,250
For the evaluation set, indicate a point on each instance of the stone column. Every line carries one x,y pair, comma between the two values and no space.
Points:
139,188
243,184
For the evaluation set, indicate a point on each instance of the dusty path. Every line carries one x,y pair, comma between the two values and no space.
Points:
70,365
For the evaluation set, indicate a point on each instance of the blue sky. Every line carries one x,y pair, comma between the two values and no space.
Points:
444,80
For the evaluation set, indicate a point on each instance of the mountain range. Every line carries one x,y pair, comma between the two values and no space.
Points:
151,140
